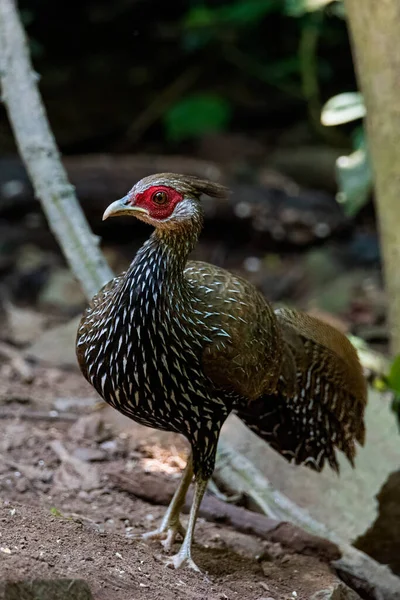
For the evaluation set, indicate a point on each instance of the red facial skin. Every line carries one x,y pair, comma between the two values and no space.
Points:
156,210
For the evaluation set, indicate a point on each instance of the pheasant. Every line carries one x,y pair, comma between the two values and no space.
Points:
178,346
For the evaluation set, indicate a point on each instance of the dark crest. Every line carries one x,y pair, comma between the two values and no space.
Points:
214,190
188,184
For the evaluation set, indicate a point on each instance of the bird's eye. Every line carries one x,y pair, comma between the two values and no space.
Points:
160,197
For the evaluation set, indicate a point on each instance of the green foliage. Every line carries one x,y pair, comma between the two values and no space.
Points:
392,382
297,8
228,26
240,13
203,24
196,115
244,13
27,16
393,379
354,176
55,512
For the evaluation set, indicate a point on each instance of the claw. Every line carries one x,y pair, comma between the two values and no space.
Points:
157,534
182,560
171,536
171,526
167,535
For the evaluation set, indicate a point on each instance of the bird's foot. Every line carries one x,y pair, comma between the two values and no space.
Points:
167,534
182,559
172,532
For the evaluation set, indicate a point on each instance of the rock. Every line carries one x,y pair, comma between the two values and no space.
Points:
332,500
322,266
89,427
312,166
21,486
382,540
110,446
340,591
73,473
69,404
89,454
56,347
333,289
24,324
46,589
337,296
62,291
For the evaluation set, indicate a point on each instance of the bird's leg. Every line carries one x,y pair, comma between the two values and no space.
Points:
184,556
171,524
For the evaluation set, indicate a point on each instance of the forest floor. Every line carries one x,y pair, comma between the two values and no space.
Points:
63,515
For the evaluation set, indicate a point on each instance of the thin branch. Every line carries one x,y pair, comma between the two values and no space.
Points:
40,154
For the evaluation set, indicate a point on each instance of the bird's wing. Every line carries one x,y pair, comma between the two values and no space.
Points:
105,291
333,392
334,359
245,351
326,412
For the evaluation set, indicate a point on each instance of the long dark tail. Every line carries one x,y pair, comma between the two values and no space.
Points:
303,430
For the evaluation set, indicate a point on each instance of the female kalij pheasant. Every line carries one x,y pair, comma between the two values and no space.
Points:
178,345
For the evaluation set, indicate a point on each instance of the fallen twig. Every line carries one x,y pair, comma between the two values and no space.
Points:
73,473
37,415
237,473
18,363
30,472
158,488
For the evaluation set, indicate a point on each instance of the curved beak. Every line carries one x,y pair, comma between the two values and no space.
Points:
121,207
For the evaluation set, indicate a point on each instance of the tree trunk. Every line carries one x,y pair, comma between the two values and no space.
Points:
40,154
374,28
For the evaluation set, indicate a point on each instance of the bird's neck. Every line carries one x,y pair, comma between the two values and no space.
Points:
160,262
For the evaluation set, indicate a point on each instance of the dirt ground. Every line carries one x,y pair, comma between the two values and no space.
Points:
62,516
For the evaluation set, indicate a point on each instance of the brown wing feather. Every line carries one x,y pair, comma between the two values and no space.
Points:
248,360
335,363
327,411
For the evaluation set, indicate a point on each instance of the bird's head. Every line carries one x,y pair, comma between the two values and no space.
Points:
166,200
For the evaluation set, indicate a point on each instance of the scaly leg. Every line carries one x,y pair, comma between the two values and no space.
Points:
171,524
184,556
